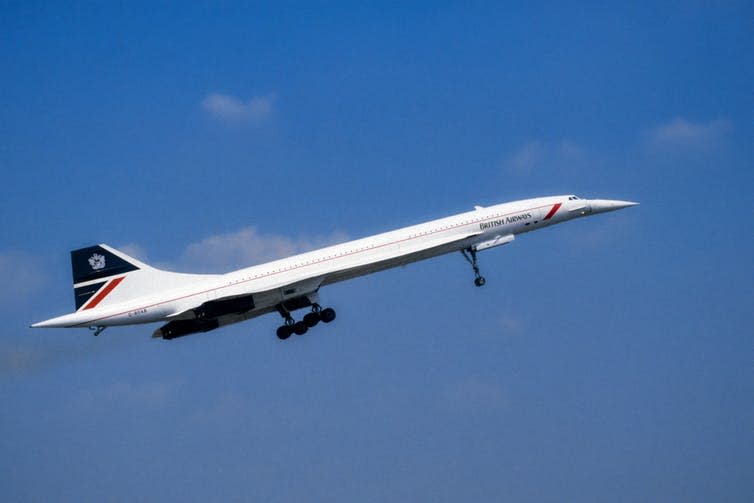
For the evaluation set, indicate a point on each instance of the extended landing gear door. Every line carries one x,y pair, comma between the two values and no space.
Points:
307,288
496,241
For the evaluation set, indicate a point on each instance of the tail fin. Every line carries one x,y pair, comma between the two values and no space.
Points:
101,261
94,270
98,270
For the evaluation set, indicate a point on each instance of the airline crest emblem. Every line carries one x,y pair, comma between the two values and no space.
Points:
97,261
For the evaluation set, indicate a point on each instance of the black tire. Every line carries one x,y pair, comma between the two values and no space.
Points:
480,281
311,319
300,328
327,315
284,332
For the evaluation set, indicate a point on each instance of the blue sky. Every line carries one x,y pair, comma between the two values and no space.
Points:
606,359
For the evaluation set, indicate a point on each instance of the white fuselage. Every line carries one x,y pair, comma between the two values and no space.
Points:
273,282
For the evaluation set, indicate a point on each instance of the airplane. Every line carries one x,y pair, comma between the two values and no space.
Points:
111,288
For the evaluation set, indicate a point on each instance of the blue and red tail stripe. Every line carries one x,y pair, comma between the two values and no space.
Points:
90,296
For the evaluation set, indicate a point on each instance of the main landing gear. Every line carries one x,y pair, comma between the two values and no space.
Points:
470,255
292,326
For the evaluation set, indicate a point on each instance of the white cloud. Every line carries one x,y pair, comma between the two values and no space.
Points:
681,133
247,247
537,155
231,109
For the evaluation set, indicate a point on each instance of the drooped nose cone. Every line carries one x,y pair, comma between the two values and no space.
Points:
603,205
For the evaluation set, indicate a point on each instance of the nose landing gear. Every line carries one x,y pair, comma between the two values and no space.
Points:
470,255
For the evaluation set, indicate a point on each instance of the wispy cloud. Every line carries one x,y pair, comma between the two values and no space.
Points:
14,358
537,155
134,251
474,394
20,353
228,108
23,272
246,247
130,395
684,134
226,408
511,325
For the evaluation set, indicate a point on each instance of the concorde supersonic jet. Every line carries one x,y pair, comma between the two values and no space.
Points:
111,288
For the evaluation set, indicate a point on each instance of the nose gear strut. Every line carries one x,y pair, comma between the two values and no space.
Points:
470,255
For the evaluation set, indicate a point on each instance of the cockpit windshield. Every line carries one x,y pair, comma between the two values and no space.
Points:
573,198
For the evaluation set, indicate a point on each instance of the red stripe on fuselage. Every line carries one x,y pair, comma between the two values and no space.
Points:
105,291
553,210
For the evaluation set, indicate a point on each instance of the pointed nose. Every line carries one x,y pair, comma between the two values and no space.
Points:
603,205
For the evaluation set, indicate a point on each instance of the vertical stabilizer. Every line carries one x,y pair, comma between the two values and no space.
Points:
97,270
104,276
101,261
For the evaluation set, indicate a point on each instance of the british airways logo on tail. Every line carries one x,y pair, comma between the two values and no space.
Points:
97,261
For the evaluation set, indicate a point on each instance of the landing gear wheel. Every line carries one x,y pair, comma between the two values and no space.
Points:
284,332
311,319
291,326
327,315
479,281
300,328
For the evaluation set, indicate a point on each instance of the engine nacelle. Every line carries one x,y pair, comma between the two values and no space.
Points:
216,308
179,328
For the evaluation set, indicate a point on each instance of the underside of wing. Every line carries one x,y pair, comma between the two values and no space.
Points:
304,291
407,253
205,317
233,309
